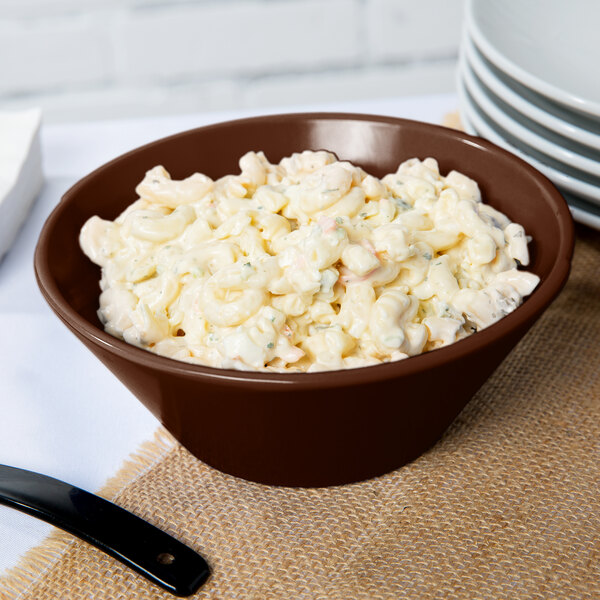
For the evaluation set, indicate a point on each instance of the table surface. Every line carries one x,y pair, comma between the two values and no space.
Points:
64,414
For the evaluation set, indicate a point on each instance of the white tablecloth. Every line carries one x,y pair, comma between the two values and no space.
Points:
63,413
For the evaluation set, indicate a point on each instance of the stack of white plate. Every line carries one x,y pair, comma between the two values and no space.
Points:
529,81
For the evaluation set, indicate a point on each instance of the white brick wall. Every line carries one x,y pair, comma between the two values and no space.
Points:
95,59
45,54
398,29
236,38
353,84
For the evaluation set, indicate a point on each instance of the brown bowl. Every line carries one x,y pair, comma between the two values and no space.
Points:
303,429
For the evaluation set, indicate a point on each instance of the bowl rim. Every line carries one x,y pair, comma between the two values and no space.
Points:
529,310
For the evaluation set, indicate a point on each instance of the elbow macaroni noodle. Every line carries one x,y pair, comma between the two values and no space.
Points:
306,265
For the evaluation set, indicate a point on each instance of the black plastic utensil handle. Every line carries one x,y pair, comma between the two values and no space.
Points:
151,552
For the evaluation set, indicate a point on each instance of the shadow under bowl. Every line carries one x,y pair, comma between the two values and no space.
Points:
300,429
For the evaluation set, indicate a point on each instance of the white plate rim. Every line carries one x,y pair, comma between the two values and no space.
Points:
506,122
581,215
557,94
521,104
563,180
590,217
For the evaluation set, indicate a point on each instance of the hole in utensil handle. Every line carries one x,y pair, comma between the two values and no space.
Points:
165,558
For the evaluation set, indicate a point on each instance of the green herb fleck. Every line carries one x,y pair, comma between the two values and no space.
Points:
270,345
427,256
339,220
247,264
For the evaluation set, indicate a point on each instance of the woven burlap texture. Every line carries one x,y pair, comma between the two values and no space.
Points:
506,505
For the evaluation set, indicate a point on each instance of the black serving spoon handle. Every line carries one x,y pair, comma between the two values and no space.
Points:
151,552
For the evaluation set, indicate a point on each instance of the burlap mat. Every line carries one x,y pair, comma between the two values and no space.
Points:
507,505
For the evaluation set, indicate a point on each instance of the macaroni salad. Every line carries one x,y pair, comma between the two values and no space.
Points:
309,265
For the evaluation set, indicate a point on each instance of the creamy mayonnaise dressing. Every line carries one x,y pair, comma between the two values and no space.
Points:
307,265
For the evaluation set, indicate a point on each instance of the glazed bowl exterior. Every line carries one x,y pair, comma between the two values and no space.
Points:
306,429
